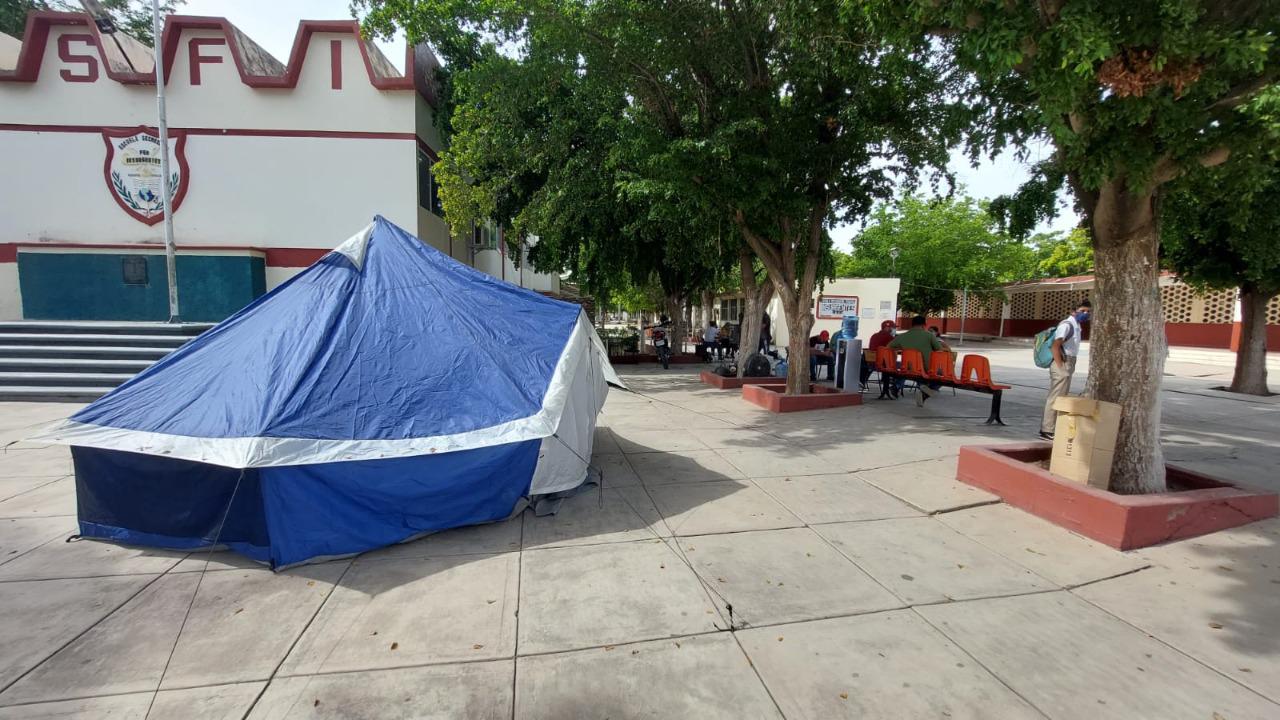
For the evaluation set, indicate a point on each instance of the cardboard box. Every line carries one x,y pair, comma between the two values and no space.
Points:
1084,440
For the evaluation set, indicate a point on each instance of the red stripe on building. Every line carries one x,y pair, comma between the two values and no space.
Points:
36,36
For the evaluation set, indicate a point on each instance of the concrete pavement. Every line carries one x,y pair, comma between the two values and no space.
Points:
735,565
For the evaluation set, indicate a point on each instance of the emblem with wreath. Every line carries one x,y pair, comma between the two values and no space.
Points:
144,194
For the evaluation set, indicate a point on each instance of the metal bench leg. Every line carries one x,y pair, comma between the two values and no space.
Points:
995,408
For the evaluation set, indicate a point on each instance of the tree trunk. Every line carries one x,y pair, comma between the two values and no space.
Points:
799,323
756,297
1251,359
792,263
673,307
1127,353
707,313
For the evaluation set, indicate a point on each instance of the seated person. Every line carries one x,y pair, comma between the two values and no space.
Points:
938,334
878,340
917,338
820,354
709,338
725,341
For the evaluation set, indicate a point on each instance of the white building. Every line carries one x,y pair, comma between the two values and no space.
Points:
873,299
274,163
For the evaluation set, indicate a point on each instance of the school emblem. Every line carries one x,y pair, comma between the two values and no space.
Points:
133,171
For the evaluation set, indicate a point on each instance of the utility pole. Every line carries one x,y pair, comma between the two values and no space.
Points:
964,312
166,192
106,25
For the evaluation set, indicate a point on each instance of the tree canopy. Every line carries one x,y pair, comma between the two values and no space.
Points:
1132,95
1220,231
131,16
774,118
1059,255
944,245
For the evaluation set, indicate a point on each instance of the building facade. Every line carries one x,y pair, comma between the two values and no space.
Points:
273,165
1192,318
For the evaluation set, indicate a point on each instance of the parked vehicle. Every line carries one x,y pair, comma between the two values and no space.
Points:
662,346
661,336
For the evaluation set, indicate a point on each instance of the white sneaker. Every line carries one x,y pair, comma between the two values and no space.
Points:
920,397
928,391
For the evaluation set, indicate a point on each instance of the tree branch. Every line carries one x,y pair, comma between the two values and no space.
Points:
1167,169
765,250
1242,92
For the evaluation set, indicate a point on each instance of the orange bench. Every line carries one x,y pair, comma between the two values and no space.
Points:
975,374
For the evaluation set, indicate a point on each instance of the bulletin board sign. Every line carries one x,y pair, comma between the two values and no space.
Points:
835,307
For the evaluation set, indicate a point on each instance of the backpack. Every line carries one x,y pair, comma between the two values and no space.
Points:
1043,349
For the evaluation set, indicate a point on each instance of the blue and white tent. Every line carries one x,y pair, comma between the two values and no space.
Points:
385,392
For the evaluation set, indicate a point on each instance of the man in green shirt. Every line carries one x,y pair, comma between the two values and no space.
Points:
918,338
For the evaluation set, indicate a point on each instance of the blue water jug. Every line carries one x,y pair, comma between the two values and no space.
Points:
849,326
780,370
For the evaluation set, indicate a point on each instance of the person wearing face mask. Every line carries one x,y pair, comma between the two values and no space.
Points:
878,340
1066,346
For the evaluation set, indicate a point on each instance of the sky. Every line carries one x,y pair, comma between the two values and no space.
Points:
273,23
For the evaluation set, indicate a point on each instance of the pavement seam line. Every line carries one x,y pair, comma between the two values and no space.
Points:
515,652
1174,648
37,547
82,633
49,480
979,663
271,678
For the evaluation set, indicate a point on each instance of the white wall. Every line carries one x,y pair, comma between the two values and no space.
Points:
221,100
276,276
872,293
258,191
10,297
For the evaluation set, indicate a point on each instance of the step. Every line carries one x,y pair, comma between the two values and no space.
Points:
71,365
87,352
56,379
20,393
169,341
107,327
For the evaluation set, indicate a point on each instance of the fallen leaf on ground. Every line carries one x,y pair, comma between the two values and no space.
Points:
844,696
1215,626
310,583
238,611
779,638
395,646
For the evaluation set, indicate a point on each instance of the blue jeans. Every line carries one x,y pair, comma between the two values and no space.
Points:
814,361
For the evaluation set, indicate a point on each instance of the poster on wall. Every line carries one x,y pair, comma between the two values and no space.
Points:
132,171
834,307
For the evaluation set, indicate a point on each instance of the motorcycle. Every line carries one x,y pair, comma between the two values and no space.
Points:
662,346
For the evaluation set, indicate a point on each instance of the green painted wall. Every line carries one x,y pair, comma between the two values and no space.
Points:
90,286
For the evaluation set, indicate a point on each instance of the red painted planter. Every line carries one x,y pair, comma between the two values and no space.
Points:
636,359
733,383
821,397
1202,504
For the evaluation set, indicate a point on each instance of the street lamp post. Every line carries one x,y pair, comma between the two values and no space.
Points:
166,192
107,26
893,259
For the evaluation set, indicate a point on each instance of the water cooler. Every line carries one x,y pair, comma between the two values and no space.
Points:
848,354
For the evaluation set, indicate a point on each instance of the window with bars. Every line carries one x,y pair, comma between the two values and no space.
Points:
428,191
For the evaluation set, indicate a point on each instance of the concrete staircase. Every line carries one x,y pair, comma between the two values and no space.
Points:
68,361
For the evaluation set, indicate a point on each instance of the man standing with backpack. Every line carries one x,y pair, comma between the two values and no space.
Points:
1065,347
